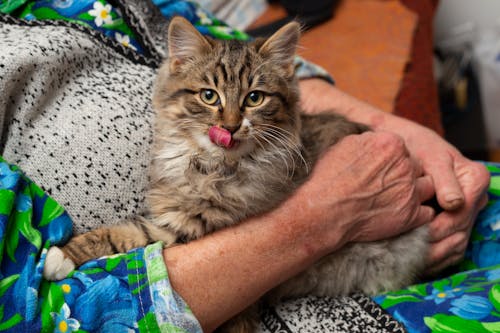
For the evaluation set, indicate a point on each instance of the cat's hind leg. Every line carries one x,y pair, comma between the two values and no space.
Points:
59,262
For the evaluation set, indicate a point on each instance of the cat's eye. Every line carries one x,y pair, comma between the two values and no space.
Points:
255,98
209,96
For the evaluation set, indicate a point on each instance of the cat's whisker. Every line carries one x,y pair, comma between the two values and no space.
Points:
286,147
282,143
295,146
279,151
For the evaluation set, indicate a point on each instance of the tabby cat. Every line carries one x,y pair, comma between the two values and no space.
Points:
230,142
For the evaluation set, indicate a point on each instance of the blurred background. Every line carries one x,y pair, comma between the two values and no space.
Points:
467,67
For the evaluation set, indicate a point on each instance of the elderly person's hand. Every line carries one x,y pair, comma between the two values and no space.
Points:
366,188
460,184
363,189
460,190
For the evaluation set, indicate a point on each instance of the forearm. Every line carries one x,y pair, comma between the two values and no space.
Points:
344,200
231,269
318,95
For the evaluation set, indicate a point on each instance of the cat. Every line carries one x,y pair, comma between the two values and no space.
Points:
231,142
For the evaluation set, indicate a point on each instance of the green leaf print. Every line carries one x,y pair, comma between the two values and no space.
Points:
441,323
457,279
47,13
7,282
440,284
9,6
36,190
133,263
113,262
44,13
11,322
391,300
493,168
137,278
170,328
222,32
12,238
492,327
148,323
54,300
138,289
495,185
6,201
86,16
26,229
419,289
51,211
494,296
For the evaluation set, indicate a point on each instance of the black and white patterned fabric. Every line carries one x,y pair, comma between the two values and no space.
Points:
356,314
64,89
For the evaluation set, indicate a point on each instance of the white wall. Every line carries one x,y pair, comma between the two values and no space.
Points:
476,24
454,13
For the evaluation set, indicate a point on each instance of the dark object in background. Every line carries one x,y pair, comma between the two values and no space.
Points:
460,105
309,13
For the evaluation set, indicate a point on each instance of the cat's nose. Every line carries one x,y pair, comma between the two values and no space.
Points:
231,128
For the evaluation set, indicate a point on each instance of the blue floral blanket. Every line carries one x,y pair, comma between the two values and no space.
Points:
467,301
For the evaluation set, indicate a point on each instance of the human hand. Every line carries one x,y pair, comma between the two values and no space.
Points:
365,188
460,183
460,190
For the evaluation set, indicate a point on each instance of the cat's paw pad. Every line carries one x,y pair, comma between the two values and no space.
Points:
57,266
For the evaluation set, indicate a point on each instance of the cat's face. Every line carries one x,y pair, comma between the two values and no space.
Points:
230,97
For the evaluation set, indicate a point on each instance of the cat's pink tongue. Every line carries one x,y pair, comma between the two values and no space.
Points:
220,136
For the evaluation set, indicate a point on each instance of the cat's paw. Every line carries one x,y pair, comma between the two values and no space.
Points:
57,266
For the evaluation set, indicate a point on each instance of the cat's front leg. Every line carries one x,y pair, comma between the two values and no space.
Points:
59,262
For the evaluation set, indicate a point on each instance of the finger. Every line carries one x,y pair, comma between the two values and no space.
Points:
451,246
483,201
424,215
448,190
417,166
447,223
425,188
449,261
444,225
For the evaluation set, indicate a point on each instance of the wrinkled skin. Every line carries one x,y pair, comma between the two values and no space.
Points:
459,183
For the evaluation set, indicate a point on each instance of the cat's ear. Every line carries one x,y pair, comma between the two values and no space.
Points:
184,42
282,45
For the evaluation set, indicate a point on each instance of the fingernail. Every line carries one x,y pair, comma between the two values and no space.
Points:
454,201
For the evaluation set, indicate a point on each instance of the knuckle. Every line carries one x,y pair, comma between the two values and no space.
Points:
461,241
391,148
387,140
480,173
479,177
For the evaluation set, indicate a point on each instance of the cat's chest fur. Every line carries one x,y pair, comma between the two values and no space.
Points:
197,191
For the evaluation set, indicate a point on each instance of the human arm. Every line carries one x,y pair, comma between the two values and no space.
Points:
230,269
218,275
460,183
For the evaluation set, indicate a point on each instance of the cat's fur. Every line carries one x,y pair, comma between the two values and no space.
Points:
198,187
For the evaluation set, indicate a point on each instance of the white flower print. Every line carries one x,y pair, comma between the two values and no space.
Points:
124,40
101,13
202,15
